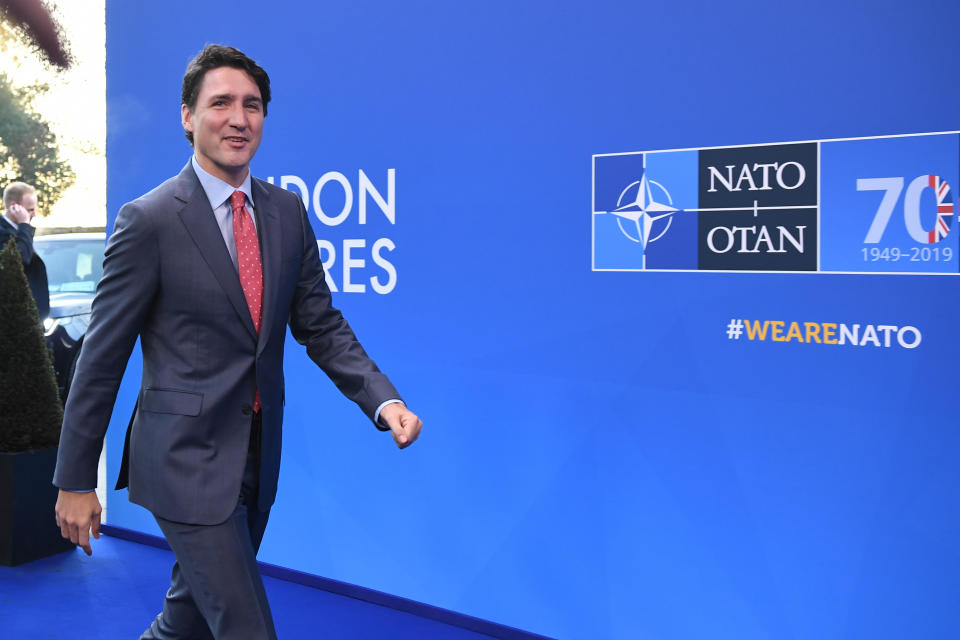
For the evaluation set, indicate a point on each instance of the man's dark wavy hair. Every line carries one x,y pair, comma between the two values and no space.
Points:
215,56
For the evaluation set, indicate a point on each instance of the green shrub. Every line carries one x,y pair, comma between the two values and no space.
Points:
30,410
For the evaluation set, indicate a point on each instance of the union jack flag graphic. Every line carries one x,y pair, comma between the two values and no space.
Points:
944,209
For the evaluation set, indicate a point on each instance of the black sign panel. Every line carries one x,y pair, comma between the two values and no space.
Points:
758,208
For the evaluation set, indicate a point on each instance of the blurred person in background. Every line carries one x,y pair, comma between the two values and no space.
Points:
19,208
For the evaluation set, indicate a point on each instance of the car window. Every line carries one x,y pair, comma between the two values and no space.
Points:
72,265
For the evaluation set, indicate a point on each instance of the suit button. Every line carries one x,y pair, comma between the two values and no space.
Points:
246,409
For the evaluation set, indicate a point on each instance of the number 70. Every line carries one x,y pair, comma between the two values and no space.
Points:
911,207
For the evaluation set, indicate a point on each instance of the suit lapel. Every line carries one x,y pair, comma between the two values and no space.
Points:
198,218
268,221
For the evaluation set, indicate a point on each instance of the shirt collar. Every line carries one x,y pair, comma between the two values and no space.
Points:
216,189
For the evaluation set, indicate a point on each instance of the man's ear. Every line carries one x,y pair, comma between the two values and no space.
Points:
186,118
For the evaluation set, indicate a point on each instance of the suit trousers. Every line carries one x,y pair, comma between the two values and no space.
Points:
216,591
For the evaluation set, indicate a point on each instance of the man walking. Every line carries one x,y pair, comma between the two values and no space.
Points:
19,208
208,269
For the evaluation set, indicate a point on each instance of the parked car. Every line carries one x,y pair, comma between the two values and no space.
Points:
74,266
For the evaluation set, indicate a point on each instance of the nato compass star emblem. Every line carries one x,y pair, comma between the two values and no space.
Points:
640,210
636,202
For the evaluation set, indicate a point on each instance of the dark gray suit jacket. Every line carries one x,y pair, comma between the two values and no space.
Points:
168,278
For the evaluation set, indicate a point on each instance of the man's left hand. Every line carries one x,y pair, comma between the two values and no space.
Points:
404,424
18,214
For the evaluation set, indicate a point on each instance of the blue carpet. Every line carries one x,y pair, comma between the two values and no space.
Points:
118,591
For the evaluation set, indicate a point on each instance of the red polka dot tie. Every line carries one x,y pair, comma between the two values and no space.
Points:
248,263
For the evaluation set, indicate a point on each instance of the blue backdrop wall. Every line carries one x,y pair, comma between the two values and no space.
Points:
599,458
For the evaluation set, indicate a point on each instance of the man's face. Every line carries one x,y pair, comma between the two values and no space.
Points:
29,202
226,123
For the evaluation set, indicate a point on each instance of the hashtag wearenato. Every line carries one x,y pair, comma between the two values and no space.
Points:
826,333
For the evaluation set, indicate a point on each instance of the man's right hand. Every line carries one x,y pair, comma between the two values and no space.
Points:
17,213
78,515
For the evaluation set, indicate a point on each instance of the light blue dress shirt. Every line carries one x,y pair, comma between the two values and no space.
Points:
218,193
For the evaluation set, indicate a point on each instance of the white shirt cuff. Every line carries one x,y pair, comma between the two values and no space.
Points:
376,416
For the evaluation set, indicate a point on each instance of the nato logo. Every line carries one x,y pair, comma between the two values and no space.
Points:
724,209
857,205
644,211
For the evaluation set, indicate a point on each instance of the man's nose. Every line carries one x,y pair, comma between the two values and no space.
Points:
238,117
